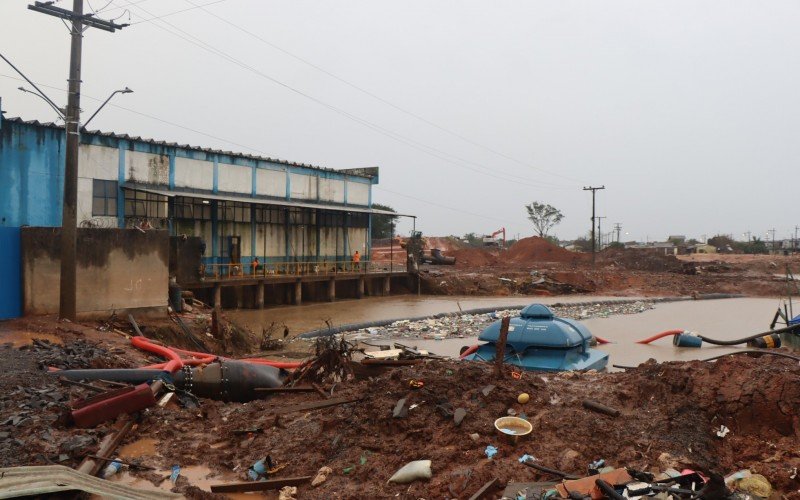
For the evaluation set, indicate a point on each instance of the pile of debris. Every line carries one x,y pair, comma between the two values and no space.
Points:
466,325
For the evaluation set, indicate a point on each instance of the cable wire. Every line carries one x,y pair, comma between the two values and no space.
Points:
377,97
430,150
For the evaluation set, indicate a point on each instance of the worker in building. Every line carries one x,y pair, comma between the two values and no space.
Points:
357,261
255,265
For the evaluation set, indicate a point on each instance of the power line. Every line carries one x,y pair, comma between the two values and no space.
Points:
430,150
178,12
440,205
379,98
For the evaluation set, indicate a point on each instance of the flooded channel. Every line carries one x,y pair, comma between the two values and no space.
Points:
719,319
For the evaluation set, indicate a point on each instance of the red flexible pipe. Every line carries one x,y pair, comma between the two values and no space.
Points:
201,358
174,364
601,340
469,351
660,335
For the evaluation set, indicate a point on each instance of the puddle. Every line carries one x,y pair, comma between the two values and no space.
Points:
19,339
200,476
142,448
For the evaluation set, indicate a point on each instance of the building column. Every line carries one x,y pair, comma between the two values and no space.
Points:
298,292
217,296
360,287
331,289
260,295
387,285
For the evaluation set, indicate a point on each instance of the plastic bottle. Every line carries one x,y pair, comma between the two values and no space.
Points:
112,468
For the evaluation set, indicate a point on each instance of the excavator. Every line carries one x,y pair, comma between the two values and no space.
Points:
416,247
491,241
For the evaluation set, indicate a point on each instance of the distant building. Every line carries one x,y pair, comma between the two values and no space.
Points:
663,248
701,248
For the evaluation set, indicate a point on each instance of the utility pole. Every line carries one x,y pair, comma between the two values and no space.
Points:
618,230
748,233
773,238
794,246
69,216
600,232
594,241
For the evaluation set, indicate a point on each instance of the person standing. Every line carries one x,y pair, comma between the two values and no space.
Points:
357,261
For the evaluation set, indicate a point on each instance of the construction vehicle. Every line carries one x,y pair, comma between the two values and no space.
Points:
491,241
415,245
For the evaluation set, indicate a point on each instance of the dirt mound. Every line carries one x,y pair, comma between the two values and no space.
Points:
536,249
645,260
473,257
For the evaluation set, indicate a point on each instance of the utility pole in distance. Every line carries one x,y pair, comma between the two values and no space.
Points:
594,240
773,238
600,232
618,230
69,217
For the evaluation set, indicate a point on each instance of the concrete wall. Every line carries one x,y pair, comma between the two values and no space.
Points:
194,174
357,193
117,269
235,179
270,183
331,190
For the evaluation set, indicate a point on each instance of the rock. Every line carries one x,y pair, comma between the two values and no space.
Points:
569,460
475,436
78,443
756,485
322,476
400,409
459,415
287,493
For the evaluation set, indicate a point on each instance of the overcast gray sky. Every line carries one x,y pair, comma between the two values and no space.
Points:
687,111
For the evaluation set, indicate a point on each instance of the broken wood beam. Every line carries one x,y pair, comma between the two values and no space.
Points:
316,405
110,443
277,390
500,352
600,408
484,491
270,484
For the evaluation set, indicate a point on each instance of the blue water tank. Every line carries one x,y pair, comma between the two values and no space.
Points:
537,326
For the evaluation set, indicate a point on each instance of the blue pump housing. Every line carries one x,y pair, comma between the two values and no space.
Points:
538,340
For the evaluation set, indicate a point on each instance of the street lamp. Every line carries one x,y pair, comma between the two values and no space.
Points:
61,112
126,90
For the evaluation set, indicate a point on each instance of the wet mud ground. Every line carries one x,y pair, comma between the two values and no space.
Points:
670,413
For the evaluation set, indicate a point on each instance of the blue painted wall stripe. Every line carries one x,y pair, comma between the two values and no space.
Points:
215,188
121,181
172,170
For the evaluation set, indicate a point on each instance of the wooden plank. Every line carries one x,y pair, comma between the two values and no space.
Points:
481,493
500,347
316,405
277,390
270,484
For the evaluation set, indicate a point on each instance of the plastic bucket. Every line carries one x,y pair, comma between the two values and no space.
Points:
513,426
767,341
686,340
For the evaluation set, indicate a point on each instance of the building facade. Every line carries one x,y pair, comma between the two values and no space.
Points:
242,206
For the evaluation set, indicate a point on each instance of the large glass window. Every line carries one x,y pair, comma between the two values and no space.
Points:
104,198
192,208
270,215
141,204
233,211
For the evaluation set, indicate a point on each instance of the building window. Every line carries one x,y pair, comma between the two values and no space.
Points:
358,219
270,215
301,216
331,219
147,205
104,198
233,211
192,208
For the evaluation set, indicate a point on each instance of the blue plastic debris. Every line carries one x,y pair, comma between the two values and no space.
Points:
176,471
524,458
491,451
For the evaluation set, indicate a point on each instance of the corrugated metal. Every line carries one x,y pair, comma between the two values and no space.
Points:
10,265
38,480
367,173
259,201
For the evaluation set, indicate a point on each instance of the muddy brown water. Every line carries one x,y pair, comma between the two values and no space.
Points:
722,319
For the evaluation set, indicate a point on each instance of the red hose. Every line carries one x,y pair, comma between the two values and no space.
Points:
660,335
469,351
174,364
200,358
601,340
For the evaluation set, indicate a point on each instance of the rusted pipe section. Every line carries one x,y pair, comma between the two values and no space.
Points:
600,408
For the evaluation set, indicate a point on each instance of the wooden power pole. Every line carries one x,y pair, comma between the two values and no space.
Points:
69,216
594,240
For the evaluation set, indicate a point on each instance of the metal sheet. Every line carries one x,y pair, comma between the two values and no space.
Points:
42,479
10,264
258,201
